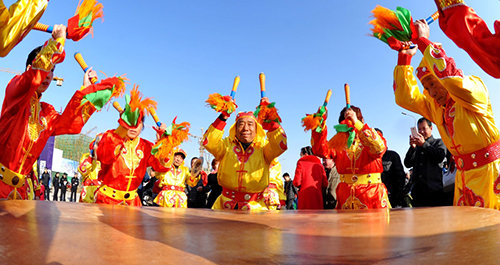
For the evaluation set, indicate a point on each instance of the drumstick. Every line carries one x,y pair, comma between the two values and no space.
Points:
84,66
235,86
155,117
347,95
117,106
327,99
262,79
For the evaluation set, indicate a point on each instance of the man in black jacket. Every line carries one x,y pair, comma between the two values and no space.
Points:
55,184
290,191
426,155
45,178
74,188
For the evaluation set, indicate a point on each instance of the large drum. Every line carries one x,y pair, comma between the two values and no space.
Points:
43,232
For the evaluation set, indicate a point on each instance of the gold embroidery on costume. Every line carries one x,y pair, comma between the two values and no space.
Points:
43,60
443,4
35,124
353,203
131,155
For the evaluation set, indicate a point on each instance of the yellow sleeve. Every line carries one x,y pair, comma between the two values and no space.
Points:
408,95
276,144
17,21
213,142
369,137
52,53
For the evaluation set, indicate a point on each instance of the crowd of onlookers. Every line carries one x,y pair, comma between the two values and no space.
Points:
60,185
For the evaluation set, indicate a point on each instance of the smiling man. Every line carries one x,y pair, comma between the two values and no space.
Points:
245,157
460,107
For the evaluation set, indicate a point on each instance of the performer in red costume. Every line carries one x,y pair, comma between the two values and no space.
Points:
124,156
359,165
26,123
464,27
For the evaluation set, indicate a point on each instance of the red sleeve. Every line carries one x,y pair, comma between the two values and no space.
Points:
320,144
109,147
74,117
464,27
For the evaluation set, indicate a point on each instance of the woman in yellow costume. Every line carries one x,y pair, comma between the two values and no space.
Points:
173,183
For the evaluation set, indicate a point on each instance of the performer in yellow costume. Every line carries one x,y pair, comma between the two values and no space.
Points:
460,107
173,183
17,21
274,194
89,168
245,158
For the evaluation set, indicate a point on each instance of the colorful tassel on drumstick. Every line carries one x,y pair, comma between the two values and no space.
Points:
265,111
395,26
222,103
316,121
173,137
81,23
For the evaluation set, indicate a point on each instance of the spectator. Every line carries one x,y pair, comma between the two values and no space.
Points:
393,176
55,184
330,196
290,191
197,196
63,183
45,182
216,189
426,156
74,187
310,179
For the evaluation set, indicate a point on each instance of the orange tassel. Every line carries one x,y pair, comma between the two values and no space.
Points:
136,101
311,122
270,114
167,144
385,18
120,88
339,141
221,103
89,7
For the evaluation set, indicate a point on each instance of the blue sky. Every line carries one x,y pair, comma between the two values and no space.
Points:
179,52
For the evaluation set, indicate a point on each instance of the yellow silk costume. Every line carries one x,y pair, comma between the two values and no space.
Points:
243,171
465,123
17,21
89,168
275,192
173,184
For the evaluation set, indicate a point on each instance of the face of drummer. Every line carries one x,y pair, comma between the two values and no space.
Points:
178,159
246,129
436,89
133,133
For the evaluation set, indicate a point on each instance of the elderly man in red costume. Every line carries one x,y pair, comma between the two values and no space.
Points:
124,156
26,123
460,107
245,158
359,164
464,27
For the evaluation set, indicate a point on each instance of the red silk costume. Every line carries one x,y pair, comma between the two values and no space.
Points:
26,123
359,167
464,27
123,165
